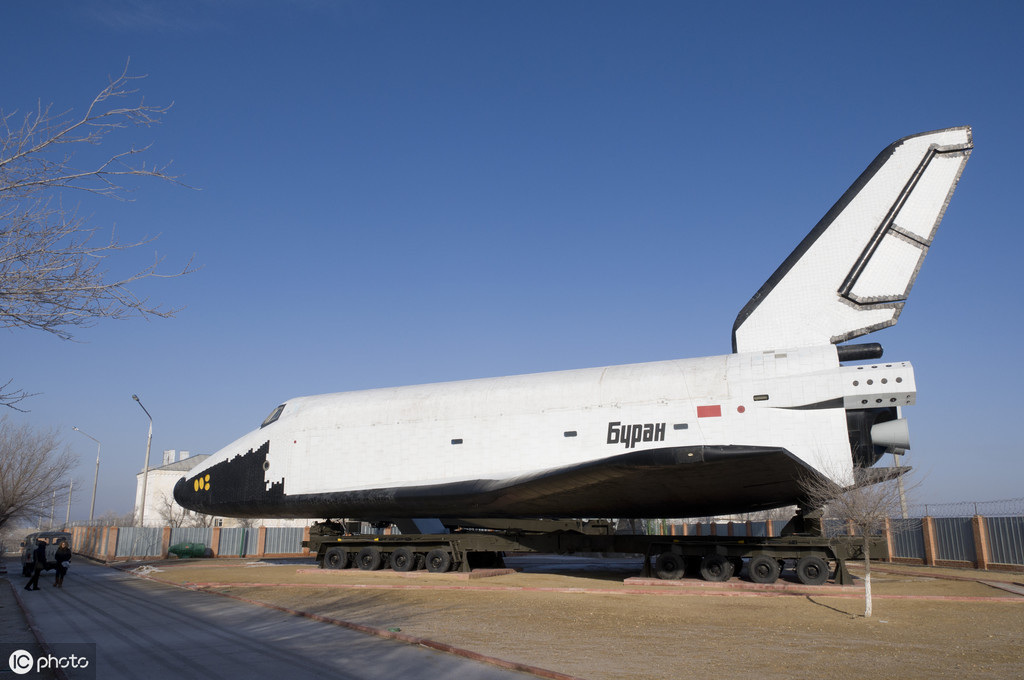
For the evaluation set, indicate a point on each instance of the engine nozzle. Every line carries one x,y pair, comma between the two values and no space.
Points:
892,434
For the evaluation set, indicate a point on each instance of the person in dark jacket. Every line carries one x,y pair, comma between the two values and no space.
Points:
39,555
63,557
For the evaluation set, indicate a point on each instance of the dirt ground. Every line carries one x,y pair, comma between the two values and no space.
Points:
602,625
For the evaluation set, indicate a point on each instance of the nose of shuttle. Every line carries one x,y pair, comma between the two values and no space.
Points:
185,495
189,493
232,483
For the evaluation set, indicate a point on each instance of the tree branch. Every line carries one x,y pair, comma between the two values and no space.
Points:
51,275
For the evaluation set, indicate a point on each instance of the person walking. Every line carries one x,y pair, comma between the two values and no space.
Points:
39,557
63,557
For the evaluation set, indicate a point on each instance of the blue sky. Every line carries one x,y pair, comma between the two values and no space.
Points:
401,192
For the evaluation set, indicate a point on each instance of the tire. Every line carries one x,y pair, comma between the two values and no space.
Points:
369,559
763,569
403,559
669,566
812,571
716,568
438,561
335,558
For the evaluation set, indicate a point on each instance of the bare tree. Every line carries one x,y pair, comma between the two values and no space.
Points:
198,519
170,512
51,275
175,516
865,506
34,472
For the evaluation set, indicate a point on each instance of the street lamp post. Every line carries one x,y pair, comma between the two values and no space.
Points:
96,477
145,470
67,518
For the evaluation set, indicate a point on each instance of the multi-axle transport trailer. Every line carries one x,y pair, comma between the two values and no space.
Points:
471,544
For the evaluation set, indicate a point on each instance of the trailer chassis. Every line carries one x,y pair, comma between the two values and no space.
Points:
474,544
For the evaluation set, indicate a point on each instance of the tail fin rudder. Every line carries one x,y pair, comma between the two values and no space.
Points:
852,274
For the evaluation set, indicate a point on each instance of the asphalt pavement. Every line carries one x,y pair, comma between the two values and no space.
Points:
141,628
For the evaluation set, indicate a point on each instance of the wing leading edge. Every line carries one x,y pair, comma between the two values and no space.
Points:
852,273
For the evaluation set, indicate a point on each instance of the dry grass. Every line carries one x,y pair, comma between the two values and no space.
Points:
593,625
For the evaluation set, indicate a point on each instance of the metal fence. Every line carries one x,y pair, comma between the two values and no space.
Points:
1006,539
139,542
238,541
908,539
202,535
931,540
953,539
283,540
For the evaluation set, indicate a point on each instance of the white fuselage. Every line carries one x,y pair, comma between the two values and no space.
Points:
501,428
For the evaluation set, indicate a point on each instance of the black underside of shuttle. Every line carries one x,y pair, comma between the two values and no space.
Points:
662,482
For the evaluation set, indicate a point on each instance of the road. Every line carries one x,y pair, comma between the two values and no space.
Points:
146,629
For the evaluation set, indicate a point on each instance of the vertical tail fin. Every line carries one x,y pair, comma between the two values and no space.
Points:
852,274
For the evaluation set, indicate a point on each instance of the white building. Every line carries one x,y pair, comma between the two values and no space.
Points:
160,503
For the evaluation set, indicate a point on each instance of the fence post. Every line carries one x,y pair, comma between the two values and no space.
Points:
110,545
305,538
981,548
928,535
165,543
261,542
215,541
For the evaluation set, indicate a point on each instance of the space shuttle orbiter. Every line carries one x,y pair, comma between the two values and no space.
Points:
680,438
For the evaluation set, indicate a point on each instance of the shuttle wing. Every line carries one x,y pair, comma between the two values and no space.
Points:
852,274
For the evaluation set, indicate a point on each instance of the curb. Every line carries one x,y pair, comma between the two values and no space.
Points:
36,633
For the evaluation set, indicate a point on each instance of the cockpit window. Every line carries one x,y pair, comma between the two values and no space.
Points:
274,415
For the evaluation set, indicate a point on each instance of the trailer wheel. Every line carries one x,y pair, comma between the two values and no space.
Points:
438,561
669,566
403,559
335,558
763,569
812,571
716,568
369,559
